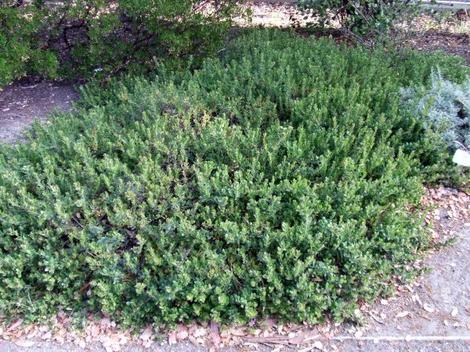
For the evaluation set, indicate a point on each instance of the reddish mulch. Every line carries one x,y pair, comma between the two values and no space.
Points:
451,43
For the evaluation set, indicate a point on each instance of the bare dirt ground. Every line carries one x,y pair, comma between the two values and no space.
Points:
455,44
451,36
22,103
273,13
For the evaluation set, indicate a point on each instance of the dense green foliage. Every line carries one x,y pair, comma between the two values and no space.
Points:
104,37
363,18
112,36
20,49
275,181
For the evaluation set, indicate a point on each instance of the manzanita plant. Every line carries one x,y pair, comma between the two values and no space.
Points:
21,49
105,37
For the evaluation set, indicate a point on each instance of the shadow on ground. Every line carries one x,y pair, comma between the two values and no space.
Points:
23,103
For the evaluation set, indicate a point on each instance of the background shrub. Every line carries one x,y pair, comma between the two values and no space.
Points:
99,38
275,181
21,51
112,36
363,17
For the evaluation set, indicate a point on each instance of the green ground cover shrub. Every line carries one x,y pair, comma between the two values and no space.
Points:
274,181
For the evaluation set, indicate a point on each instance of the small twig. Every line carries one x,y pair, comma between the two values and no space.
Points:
77,222
376,319
461,145
277,340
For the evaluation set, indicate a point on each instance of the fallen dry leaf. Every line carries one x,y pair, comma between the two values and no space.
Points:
198,332
24,343
428,308
215,334
172,338
146,334
237,332
318,345
297,339
15,325
403,314
182,332
359,333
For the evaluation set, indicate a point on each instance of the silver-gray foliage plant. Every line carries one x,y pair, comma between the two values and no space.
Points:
445,108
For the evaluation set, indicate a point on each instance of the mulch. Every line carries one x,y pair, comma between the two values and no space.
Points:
450,43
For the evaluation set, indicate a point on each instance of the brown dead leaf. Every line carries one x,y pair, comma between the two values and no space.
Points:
24,343
15,325
147,333
358,333
182,332
237,332
317,345
172,338
47,335
403,314
297,339
198,331
193,340
215,333
428,308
